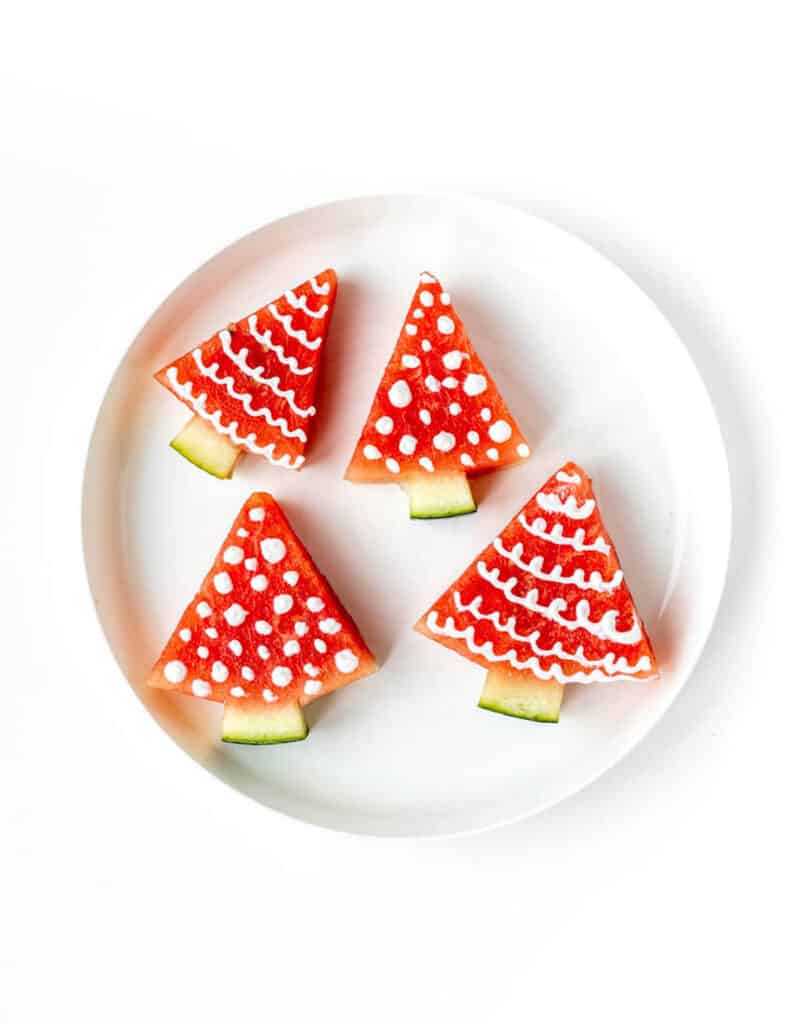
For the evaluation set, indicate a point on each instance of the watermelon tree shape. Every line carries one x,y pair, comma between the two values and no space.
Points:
265,634
252,385
437,417
545,605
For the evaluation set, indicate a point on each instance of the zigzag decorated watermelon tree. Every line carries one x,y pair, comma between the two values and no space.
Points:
265,634
252,385
437,417
545,605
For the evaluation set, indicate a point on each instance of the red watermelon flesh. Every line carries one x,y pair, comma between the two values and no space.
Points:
548,597
437,409
265,626
254,381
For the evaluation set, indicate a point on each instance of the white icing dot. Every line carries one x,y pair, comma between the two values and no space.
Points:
444,441
219,672
312,686
236,647
500,431
292,647
311,670
256,514
452,360
399,394
235,615
281,676
523,450
200,688
320,646
411,362
426,346
450,382
473,437
445,324
425,417
432,383
407,445
273,549
248,673
418,314
475,384
454,409
241,532
175,671
281,604
426,298
392,465
493,454
445,299
291,577
223,583
185,635
370,451
486,414
329,626
411,329
263,652
427,464
259,582
269,696
384,425
233,555
346,660
237,691
314,604
251,564
211,632
264,628
466,460
203,652
301,628
203,609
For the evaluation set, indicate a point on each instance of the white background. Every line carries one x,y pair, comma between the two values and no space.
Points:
135,142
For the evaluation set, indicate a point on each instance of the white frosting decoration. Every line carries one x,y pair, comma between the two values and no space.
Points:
346,660
329,626
444,441
311,670
454,409
223,583
314,604
237,691
557,535
411,329
605,628
265,340
473,437
212,632
426,298
523,450
418,314
427,463
568,478
241,532
449,382
233,555
474,384
291,577
595,581
410,362
500,431
263,627
493,454
568,507
281,604
251,564
445,324
371,452
399,394
384,425
273,550
312,687
204,609
320,646
248,673
198,404
392,465
203,652
259,582
299,302
175,671
185,635
425,417
200,688
485,414
466,460
219,672
299,336
407,444
256,514
292,647
426,346
235,615
432,383
236,647
263,652
301,628
445,299
320,289
269,696
281,676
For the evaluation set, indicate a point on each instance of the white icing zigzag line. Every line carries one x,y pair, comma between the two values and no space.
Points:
606,628
612,665
568,478
557,535
320,289
271,382
595,581
299,302
215,419
532,663
265,339
568,507
245,399
299,336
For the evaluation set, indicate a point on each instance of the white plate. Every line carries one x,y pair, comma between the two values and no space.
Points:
591,370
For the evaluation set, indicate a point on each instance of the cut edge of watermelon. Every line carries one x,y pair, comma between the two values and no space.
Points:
260,724
439,495
521,695
207,449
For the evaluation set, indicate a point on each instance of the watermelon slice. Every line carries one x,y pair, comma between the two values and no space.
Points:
546,604
265,634
252,385
437,417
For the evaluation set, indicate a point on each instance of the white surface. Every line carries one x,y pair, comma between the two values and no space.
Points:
131,885
602,381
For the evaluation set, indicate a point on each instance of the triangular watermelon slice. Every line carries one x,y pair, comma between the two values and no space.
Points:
265,633
437,417
252,385
544,605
